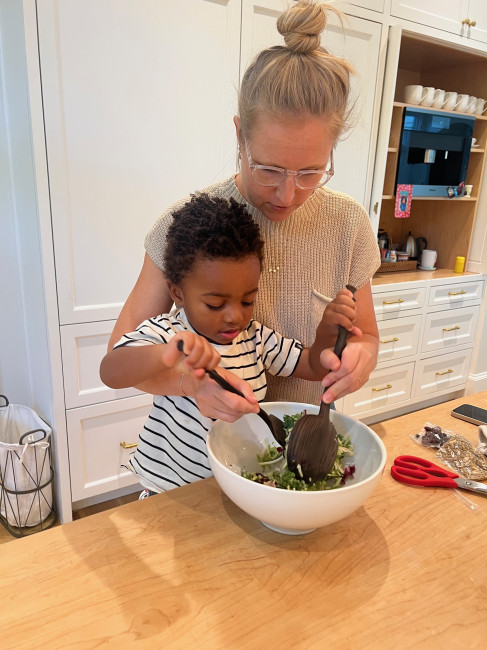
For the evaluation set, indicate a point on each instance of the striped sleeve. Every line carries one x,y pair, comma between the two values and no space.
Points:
152,331
280,355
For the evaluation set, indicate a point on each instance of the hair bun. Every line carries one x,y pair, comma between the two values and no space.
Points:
301,25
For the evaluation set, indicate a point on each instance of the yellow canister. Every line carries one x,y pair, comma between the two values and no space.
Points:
459,265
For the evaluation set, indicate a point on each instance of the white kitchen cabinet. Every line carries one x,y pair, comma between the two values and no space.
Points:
426,335
463,17
359,42
139,97
83,347
101,438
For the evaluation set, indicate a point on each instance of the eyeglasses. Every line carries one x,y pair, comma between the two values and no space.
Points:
306,179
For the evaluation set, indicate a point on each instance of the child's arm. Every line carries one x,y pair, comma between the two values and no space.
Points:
132,365
340,311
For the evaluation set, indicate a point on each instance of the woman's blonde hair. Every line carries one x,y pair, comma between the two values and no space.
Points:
300,77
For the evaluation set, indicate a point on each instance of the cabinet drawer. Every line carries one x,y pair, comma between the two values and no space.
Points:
84,346
447,329
95,453
386,387
455,294
442,373
396,302
398,338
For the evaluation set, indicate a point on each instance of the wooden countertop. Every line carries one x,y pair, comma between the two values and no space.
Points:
189,569
413,276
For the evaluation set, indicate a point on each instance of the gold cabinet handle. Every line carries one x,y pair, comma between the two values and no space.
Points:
466,21
450,329
447,372
473,23
377,390
456,293
392,302
128,445
393,340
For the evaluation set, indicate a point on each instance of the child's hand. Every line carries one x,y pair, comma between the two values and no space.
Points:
198,354
340,311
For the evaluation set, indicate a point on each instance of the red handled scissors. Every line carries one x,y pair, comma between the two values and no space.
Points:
419,471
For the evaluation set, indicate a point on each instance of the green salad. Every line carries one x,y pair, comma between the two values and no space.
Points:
283,478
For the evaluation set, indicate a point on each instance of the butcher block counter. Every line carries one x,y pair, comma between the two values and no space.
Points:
188,569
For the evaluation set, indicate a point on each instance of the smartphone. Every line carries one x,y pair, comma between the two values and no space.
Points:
470,413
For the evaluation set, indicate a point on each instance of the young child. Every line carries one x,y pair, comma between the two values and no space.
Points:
212,265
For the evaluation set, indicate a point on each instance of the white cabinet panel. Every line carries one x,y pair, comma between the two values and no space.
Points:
386,388
447,329
442,14
359,42
398,338
95,434
139,97
83,347
394,301
456,294
442,373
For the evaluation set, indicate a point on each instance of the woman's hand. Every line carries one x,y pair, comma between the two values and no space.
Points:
348,375
359,357
213,401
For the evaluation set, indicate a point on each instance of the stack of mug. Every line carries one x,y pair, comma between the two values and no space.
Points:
448,101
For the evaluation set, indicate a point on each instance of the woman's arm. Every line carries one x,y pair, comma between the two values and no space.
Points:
360,355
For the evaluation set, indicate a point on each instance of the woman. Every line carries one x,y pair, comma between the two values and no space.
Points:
293,106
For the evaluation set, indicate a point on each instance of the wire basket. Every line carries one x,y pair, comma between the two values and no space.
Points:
26,473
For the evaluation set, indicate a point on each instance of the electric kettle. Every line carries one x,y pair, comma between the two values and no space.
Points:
413,247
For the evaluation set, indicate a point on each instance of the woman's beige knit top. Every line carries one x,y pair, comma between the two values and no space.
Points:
324,245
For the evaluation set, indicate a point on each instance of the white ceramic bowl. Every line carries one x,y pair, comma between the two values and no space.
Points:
232,447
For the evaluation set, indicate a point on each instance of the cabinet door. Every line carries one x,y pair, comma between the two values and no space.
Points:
95,436
477,11
442,374
359,42
442,14
83,347
139,97
449,329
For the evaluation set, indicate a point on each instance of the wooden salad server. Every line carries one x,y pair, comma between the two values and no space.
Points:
313,444
273,422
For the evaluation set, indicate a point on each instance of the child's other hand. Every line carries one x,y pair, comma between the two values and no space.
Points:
198,354
340,311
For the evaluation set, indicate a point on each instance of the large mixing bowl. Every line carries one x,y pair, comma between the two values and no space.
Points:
233,447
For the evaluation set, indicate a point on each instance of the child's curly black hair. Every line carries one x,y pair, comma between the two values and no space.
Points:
209,227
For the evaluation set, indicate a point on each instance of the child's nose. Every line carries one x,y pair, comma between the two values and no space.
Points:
233,314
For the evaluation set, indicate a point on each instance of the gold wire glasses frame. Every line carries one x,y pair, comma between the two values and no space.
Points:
305,179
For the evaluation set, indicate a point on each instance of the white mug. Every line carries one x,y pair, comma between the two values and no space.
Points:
429,96
450,101
472,103
414,94
428,259
462,103
480,106
439,98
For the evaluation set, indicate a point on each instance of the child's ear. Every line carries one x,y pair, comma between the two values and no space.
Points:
176,293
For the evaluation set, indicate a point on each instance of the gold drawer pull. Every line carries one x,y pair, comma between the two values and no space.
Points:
447,372
450,329
128,445
390,340
456,293
392,302
377,390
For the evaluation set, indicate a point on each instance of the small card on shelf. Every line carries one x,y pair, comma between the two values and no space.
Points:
404,195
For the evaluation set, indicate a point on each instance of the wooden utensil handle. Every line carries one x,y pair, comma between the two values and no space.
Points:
342,333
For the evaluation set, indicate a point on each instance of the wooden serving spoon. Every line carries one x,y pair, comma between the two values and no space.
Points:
313,443
274,423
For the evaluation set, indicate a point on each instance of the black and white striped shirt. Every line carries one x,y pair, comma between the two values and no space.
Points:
172,446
